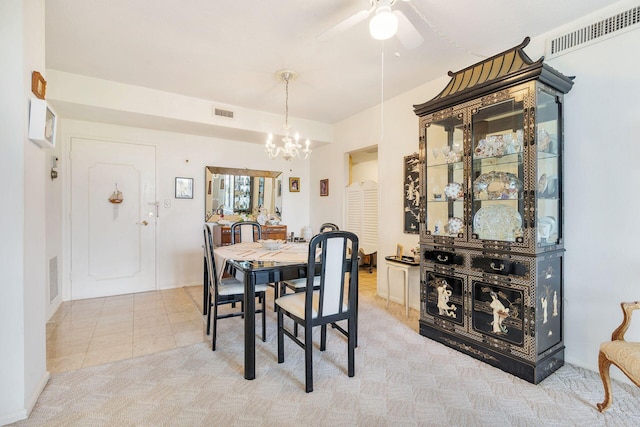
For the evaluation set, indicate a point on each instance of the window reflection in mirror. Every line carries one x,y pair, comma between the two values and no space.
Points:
234,191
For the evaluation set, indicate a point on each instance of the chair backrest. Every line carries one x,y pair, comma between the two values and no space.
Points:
328,226
249,231
339,274
210,260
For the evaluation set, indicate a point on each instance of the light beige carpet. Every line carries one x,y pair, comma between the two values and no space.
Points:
402,379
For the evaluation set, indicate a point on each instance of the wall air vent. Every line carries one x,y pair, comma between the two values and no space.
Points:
595,32
223,113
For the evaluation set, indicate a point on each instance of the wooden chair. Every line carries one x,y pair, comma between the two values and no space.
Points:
333,301
625,355
247,231
226,291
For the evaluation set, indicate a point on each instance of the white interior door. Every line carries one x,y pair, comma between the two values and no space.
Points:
361,214
112,245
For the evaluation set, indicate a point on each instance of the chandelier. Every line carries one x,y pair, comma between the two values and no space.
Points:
291,146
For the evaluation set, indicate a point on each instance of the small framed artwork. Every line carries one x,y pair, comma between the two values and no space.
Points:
324,187
184,188
399,251
38,85
294,185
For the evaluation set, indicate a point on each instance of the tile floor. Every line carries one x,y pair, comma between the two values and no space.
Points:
100,330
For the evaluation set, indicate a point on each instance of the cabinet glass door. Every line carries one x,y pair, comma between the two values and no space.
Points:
445,186
549,161
497,171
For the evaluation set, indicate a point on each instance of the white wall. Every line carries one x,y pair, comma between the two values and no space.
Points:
365,171
179,252
22,254
602,124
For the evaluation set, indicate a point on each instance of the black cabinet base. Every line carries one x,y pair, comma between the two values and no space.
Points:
533,373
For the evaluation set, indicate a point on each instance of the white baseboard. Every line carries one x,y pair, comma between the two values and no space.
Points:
23,414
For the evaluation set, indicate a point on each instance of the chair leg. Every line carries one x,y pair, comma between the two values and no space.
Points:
603,365
323,337
276,293
351,346
280,337
308,357
215,326
264,317
209,315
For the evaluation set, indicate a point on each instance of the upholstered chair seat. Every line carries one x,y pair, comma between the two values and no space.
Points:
625,355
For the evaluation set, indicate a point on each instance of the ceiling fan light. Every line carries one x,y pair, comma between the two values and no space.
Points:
384,24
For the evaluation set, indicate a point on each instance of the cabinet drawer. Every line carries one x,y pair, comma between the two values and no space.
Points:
499,266
275,232
443,257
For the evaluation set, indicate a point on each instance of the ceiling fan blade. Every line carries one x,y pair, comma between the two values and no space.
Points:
407,33
344,25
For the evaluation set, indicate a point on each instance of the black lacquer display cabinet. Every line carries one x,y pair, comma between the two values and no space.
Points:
491,214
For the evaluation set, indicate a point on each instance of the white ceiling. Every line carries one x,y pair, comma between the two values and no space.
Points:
228,51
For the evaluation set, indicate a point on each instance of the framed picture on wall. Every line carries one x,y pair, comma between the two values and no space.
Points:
324,187
294,185
184,188
38,85
411,194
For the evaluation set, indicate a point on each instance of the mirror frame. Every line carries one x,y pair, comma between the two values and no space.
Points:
254,173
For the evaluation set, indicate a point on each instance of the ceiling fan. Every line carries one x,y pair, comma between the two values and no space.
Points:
385,24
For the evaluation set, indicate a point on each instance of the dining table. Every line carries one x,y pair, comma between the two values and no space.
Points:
253,264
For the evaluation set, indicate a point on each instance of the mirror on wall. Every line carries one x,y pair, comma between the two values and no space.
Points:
236,191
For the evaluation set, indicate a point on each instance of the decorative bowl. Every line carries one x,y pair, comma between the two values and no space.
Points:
271,245
496,185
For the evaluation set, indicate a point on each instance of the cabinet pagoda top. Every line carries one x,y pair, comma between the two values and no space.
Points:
505,69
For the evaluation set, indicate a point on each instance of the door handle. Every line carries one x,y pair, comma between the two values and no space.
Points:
142,223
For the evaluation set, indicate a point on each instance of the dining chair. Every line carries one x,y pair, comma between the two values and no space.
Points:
247,231
621,353
299,285
328,226
224,291
334,300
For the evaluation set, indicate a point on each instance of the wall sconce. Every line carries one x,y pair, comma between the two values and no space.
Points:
54,172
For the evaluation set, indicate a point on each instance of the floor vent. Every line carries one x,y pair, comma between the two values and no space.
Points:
223,113
53,278
608,27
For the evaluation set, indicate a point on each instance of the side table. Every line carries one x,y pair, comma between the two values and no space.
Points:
404,265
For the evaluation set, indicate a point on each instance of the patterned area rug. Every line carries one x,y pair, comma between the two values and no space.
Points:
402,379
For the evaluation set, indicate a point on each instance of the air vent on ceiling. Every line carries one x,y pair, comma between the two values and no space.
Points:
223,113
600,30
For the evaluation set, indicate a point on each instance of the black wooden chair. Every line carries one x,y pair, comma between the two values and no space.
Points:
226,291
299,285
328,226
334,300
247,231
